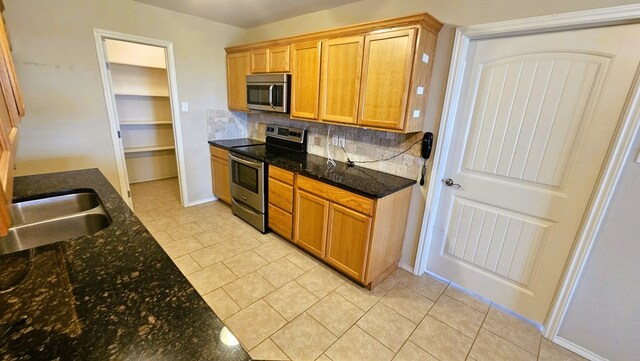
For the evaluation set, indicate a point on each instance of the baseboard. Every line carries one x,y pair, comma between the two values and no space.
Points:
406,267
153,179
578,349
201,201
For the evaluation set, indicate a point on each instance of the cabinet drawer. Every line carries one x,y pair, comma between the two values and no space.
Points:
281,195
337,195
280,174
219,152
280,221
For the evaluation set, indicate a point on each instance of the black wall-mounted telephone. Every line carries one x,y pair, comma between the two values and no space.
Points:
425,152
427,141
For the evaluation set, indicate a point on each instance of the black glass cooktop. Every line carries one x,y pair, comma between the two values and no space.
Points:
264,152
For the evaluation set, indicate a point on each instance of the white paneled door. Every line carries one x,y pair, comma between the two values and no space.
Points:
535,118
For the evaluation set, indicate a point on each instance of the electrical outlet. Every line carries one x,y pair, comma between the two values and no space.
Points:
342,141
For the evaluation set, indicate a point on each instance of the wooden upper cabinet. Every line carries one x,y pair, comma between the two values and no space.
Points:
341,70
237,70
259,61
11,109
270,60
279,59
372,75
388,58
305,79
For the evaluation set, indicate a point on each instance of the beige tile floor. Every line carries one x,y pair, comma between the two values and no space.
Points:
284,305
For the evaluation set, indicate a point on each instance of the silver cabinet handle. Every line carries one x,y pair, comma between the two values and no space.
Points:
449,182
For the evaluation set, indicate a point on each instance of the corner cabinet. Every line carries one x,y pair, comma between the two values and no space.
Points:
220,174
359,236
11,111
237,70
374,75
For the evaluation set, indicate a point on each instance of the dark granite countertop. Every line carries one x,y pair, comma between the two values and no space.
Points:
114,295
366,182
231,143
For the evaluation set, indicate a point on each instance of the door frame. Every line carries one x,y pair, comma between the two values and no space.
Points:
100,35
612,168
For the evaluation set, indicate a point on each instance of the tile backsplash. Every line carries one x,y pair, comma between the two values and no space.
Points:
361,144
223,124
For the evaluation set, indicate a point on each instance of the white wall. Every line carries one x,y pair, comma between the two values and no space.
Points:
450,12
454,12
66,125
604,312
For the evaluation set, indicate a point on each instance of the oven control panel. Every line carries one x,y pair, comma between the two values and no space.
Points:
295,135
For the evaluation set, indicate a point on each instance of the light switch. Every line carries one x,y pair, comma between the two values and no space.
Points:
425,58
416,113
185,106
420,90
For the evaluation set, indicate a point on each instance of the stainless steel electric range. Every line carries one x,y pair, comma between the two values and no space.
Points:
249,173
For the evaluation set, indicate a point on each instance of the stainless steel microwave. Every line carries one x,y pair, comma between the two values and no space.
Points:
268,92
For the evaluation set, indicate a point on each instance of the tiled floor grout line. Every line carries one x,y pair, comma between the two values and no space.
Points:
479,328
495,334
422,319
163,209
263,297
539,348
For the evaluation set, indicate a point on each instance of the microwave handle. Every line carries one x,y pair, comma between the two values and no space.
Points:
271,95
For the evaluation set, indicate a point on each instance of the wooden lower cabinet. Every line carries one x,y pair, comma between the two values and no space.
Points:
348,240
280,211
220,174
280,222
11,111
311,215
360,237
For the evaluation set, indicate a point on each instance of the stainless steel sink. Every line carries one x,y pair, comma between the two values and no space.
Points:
39,209
46,220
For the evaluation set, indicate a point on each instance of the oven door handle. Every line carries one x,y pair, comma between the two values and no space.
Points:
271,95
245,162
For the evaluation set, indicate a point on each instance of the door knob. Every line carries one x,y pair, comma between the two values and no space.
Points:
449,183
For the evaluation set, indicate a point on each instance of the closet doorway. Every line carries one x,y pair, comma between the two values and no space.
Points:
138,76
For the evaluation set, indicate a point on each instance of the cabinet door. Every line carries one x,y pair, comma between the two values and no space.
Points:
259,61
386,74
311,222
220,176
280,221
237,70
11,109
341,70
279,59
348,240
305,80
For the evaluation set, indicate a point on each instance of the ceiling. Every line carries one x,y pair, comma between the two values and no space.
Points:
246,13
